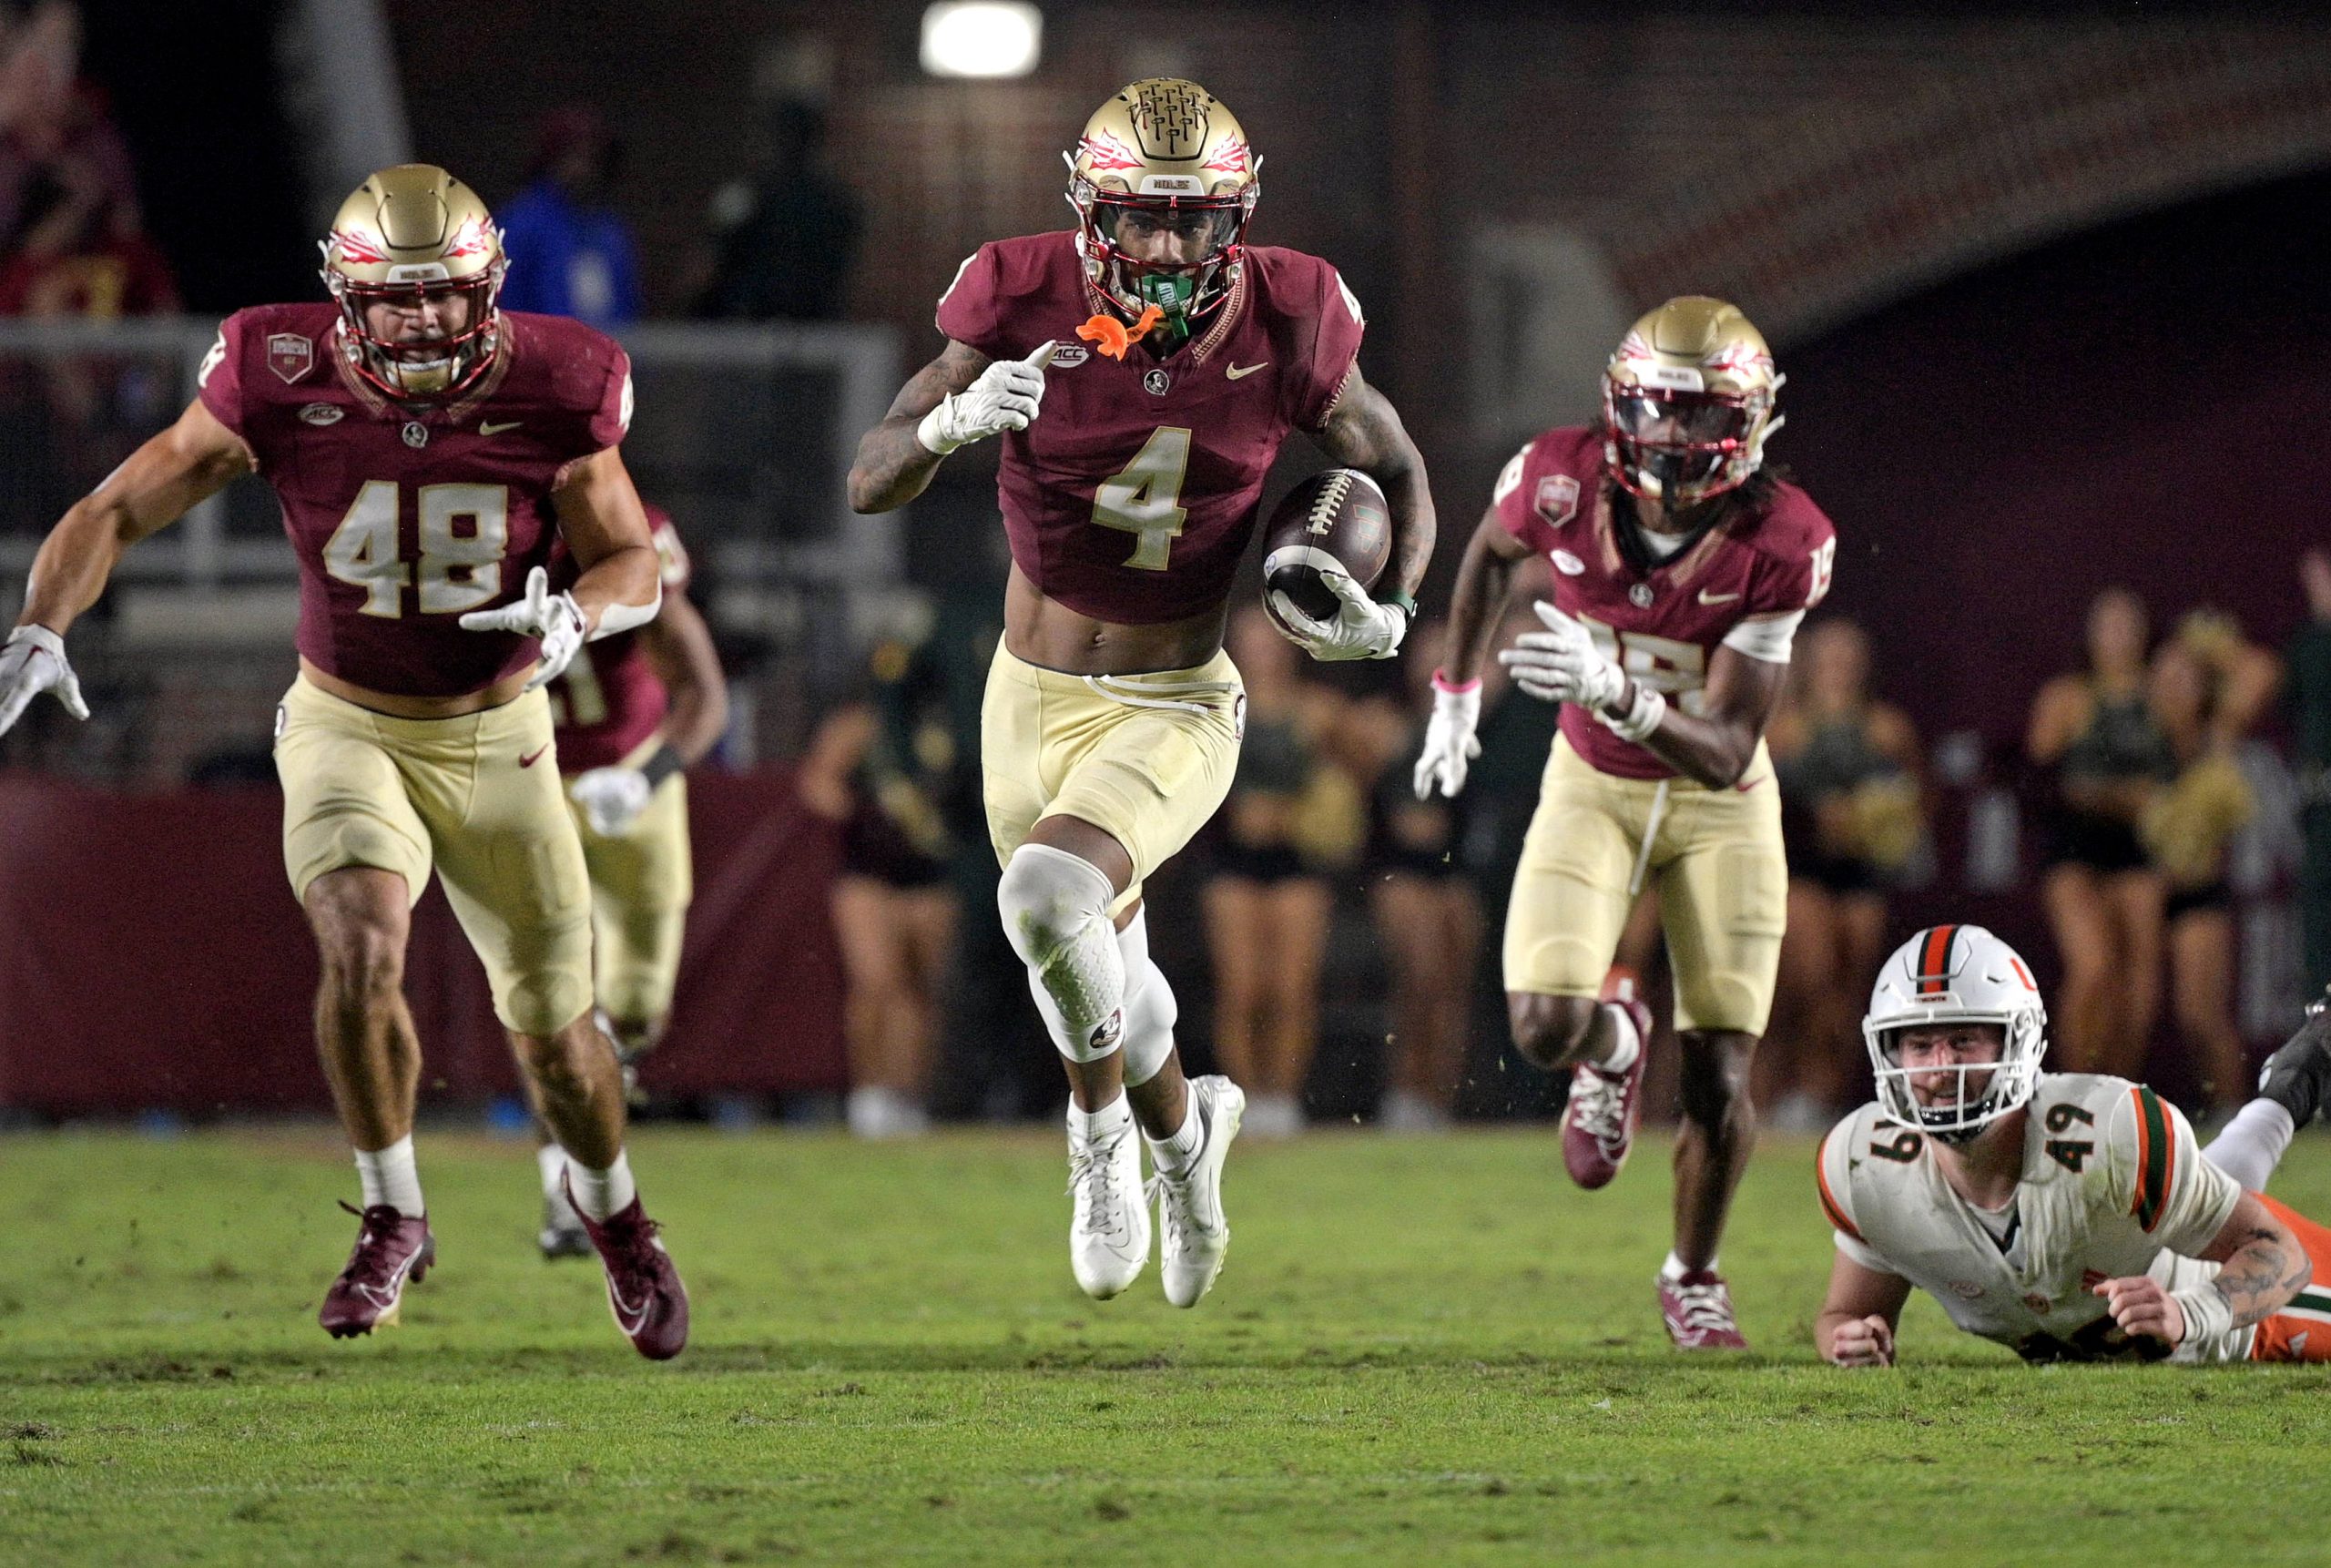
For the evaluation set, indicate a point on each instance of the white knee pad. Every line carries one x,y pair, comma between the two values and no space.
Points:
1055,909
1150,1008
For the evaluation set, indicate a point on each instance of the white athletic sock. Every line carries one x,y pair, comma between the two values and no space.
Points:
389,1175
2252,1145
552,1161
1674,1269
1626,1044
599,1193
1173,1154
1095,1126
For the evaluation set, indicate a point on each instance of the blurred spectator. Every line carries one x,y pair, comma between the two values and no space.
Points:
1293,813
570,255
786,236
81,250
2310,703
2209,685
1427,906
2096,732
1849,769
884,767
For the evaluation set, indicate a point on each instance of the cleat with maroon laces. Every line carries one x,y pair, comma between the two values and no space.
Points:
392,1250
643,1289
1697,1307
1599,1122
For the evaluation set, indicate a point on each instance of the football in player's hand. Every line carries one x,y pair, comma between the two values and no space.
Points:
1337,521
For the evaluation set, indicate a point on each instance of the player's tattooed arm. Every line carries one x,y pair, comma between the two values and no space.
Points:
1364,432
2261,1265
1484,584
894,466
1714,746
189,463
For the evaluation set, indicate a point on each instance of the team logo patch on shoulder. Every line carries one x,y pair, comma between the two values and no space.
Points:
1557,499
323,413
291,356
1069,354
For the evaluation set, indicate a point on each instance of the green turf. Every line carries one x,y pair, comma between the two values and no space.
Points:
1424,1349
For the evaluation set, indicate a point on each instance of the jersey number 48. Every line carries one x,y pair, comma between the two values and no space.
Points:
457,571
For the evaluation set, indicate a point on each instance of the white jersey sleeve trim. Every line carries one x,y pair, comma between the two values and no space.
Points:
1768,638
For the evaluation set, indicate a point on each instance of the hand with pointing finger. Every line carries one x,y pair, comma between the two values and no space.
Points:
1005,397
555,618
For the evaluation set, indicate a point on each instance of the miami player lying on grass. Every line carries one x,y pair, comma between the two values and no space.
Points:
2068,1216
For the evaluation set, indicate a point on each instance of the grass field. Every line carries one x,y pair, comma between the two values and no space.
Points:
1420,1350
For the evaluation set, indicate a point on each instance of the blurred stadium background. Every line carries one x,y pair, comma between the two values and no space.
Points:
2038,274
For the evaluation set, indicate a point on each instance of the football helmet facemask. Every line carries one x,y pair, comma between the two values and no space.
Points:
1162,156
1687,402
1956,975
410,233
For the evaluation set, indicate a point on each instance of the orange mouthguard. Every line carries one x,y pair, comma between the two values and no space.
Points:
1113,337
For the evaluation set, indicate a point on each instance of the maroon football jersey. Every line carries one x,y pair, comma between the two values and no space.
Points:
610,699
406,518
1662,626
1130,497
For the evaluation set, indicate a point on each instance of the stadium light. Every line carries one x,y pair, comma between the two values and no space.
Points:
981,38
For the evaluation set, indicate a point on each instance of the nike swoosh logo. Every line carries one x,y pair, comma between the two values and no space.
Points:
487,427
1708,599
537,757
1232,372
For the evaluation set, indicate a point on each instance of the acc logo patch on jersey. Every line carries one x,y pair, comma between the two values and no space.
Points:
291,356
1069,354
321,413
1557,499
1568,565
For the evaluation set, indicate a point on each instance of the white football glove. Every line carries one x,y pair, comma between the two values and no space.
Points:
1562,663
1363,629
1449,744
612,797
33,661
555,618
1005,397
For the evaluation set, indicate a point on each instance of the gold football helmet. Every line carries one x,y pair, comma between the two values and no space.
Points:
406,234
1688,401
1164,170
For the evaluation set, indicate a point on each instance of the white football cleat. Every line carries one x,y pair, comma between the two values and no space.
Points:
1108,1233
1196,1233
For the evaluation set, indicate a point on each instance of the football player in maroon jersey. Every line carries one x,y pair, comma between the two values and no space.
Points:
1681,570
1169,359
632,713
426,448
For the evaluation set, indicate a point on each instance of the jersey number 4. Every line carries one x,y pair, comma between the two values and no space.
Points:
457,570
1143,497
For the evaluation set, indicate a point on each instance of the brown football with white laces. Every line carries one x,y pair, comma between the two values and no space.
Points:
1336,521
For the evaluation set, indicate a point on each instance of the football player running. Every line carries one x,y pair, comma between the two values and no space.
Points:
426,448
1143,370
1681,569
632,714
2068,1216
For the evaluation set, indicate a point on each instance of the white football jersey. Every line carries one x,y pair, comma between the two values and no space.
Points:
2113,1185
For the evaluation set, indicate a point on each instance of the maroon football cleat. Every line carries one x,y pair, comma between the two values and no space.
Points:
1697,1307
643,1289
391,1249
1599,1122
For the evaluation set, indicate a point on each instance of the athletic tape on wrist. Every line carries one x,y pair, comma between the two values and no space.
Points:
2207,1315
1642,716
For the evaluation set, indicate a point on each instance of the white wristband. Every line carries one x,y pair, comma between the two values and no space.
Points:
2207,1316
1642,716
929,433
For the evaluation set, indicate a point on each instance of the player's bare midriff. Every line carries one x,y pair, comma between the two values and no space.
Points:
1046,633
399,707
